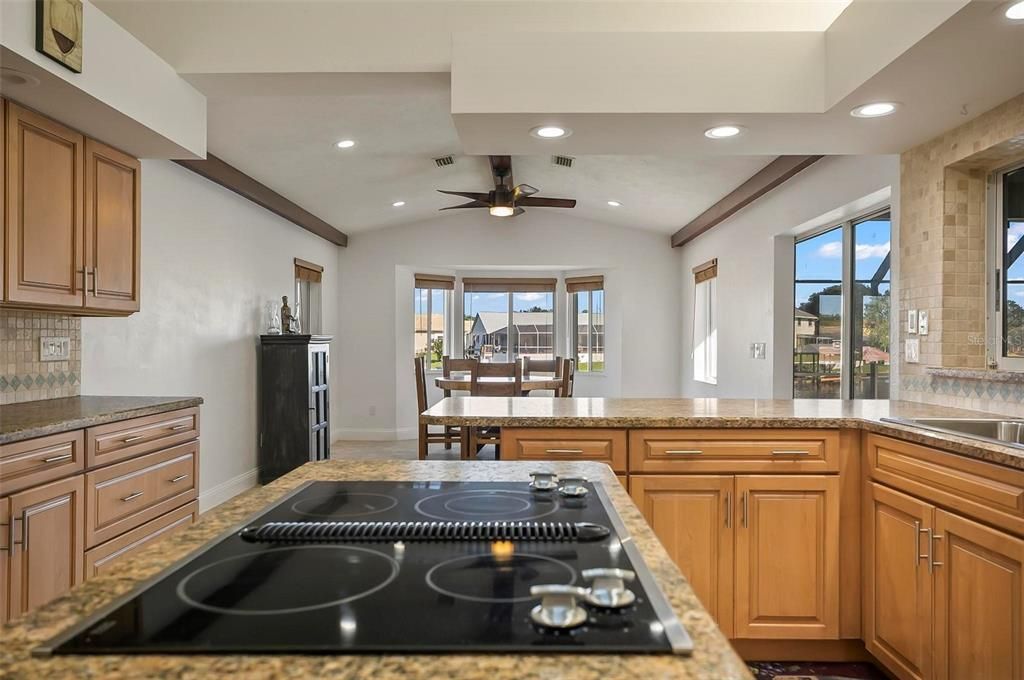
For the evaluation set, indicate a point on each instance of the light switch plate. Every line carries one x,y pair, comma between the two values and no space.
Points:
758,350
55,349
912,322
912,350
922,322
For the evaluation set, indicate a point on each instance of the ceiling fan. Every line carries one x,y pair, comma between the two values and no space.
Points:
507,199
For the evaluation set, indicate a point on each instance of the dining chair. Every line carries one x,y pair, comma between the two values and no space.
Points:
482,436
568,377
531,366
449,366
426,437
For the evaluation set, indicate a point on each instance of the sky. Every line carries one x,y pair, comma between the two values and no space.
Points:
498,302
821,258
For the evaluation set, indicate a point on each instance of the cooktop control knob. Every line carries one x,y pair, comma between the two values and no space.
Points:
558,607
544,481
609,587
572,487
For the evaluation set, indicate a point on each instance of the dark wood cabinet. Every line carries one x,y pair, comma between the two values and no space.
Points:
294,403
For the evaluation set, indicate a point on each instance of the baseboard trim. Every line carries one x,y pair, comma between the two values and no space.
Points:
802,650
225,491
382,434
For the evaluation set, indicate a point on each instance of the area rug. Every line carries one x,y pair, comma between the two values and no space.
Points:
808,670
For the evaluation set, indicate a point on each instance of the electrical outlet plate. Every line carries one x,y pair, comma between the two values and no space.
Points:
922,322
912,351
758,350
912,322
55,349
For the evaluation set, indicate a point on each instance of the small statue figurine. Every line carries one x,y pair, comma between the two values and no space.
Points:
286,316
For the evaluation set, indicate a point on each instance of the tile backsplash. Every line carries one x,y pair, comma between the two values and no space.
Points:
23,377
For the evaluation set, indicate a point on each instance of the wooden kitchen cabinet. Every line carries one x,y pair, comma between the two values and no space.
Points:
44,177
692,517
787,557
897,583
539,443
112,228
47,553
71,219
5,559
978,630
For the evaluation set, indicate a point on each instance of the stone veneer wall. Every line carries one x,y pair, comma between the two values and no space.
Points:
22,376
943,233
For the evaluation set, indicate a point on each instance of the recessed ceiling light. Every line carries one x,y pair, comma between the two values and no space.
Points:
346,144
550,132
614,204
398,204
874,110
723,131
1015,12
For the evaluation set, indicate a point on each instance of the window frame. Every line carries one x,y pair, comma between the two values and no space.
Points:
997,283
574,330
847,282
446,294
708,373
510,287
310,276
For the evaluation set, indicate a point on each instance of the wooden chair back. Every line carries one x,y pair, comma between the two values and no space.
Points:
421,383
568,375
450,365
531,366
512,388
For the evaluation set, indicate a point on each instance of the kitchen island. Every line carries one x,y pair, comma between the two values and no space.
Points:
713,657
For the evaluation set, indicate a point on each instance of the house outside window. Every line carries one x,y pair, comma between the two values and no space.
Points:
842,318
705,323
431,302
307,306
506,319
1007,236
586,323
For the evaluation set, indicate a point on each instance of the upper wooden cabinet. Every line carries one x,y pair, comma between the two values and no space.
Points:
112,228
71,219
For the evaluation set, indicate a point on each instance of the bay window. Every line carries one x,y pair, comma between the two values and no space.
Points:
586,324
431,302
505,319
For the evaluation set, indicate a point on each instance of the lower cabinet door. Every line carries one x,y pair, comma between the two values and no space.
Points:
691,517
787,557
897,583
49,542
5,551
116,550
979,601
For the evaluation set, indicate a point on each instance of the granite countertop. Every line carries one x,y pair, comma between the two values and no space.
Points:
32,419
707,413
713,657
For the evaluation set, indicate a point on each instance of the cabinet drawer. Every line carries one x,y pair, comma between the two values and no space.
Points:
126,495
739,450
604,446
988,492
101,558
38,461
129,438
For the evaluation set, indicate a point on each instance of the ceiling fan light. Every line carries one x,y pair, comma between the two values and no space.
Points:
501,210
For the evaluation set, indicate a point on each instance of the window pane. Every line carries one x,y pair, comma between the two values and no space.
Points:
705,333
533,317
488,334
818,318
581,302
1014,309
438,313
871,307
596,326
421,322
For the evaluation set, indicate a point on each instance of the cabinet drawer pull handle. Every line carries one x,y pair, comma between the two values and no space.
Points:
129,440
565,451
55,459
132,496
183,426
683,452
177,479
790,452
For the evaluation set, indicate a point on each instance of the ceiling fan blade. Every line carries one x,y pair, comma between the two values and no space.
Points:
475,195
471,204
501,171
524,190
518,211
540,202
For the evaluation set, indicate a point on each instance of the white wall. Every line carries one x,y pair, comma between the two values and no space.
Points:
376,396
210,262
755,271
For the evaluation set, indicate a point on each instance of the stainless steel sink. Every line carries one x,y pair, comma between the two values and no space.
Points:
1002,430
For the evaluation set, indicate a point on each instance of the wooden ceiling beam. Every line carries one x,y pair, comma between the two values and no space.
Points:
230,177
767,178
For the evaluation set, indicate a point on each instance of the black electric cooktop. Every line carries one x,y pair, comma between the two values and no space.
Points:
417,567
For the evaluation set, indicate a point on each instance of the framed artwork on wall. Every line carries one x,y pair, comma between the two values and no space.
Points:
59,31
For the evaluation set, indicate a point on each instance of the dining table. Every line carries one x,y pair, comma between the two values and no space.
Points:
530,382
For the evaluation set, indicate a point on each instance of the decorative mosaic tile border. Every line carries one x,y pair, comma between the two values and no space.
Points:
38,381
965,387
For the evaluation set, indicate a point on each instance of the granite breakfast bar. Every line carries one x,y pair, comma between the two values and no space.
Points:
713,658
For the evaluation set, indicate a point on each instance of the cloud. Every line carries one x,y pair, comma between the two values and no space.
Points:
1014,234
864,251
531,297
